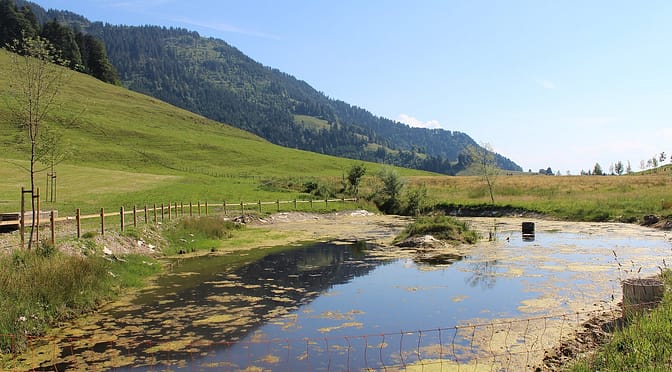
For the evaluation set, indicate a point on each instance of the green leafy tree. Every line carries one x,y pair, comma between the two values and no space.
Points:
485,165
597,169
416,200
618,167
14,23
63,40
355,175
388,195
36,77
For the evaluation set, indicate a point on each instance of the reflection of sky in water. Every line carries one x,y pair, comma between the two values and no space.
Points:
491,282
343,300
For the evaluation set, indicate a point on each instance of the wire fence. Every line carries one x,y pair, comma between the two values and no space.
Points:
537,343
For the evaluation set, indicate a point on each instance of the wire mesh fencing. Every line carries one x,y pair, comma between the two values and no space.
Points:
537,343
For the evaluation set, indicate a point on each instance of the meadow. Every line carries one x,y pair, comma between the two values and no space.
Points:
128,149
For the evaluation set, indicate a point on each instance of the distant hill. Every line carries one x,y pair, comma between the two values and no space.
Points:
209,77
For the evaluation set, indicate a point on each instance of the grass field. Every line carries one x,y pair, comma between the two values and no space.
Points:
128,148
584,198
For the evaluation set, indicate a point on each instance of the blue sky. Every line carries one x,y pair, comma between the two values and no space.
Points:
563,84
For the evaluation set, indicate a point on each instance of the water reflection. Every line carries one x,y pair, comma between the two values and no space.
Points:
211,311
203,302
484,274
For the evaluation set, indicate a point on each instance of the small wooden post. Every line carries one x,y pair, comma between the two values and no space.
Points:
191,209
206,207
102,221
52,221
224,205
22,218
259,203
176,211
199,208
170,212
277,202
121,217
242,208
326,202
135,216
146,215
294,204
162,211
37,223
311,203
78,219
154,213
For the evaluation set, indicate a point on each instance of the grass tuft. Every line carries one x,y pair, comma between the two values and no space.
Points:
42,287
441,227
198,233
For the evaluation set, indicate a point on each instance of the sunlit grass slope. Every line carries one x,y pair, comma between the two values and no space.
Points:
131,148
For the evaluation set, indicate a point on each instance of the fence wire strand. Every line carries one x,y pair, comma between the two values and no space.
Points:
505,345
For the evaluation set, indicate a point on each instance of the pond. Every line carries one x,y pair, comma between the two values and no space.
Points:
351,306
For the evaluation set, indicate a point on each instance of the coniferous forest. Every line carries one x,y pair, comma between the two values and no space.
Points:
210,77
82,51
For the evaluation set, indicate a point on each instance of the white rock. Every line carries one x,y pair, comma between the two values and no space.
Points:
107,251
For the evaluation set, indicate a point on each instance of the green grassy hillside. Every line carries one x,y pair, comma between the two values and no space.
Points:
129,148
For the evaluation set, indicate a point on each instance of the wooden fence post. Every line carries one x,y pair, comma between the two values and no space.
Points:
176,211
155,213
277,202
311,203
260,206
121,217
224,205
78,219
146,215
191,209
326,202
102,221
199,208
242,208
135,216
53,229
37,223
22,218
170,212
206,207
294,204
162,210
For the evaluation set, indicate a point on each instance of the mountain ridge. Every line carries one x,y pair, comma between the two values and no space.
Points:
212,78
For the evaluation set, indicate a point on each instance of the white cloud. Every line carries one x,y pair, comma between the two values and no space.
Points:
225,27
415,122
546,84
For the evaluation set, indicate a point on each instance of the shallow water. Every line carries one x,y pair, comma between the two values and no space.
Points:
335,306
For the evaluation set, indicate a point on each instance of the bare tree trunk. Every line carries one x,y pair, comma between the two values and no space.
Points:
32,190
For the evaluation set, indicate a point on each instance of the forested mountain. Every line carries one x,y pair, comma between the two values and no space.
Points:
83,52
216,80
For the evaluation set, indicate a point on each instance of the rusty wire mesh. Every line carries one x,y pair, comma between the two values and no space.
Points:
502,345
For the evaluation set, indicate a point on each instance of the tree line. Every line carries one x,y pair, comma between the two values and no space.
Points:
83,52
209,77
